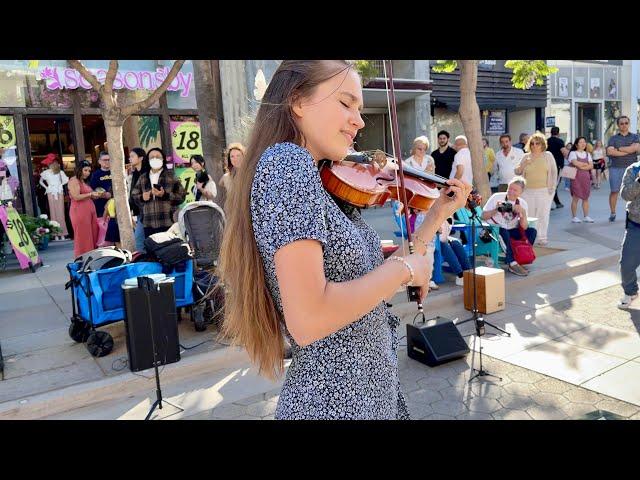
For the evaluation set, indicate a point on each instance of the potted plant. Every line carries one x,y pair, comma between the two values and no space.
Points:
39,229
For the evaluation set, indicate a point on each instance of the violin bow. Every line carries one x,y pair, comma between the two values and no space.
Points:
412,292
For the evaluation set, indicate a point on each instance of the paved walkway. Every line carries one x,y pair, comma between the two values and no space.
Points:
550,308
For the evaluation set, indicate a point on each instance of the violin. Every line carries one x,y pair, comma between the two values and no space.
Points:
364,179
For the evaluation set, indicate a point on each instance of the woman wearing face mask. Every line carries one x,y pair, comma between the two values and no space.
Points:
205,187
83,210
309,267
54,180
139,165
158,194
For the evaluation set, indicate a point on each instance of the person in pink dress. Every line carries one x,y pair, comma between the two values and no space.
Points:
83,211
581,185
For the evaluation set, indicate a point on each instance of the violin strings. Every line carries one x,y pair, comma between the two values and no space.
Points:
393,148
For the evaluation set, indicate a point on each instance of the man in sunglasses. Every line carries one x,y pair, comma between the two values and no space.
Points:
622,150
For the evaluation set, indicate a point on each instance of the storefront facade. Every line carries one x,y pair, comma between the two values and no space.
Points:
503,108
47,107
586,98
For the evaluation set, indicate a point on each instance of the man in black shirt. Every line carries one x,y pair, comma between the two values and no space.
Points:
443,156
554,145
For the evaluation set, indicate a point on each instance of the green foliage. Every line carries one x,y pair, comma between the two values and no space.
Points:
445,66
526,73
39,227
148,129
366,69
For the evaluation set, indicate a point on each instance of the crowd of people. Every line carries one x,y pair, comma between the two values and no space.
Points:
155,194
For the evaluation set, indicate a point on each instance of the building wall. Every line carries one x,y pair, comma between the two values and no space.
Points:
521,121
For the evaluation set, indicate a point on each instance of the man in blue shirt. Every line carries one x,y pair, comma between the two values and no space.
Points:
101,178
622,151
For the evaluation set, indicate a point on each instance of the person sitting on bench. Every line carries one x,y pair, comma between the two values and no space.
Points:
509,211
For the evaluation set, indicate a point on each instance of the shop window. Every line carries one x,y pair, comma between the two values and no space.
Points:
561,110
186,138
10,184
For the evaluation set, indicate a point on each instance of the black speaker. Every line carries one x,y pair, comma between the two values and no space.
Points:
138,330
436,344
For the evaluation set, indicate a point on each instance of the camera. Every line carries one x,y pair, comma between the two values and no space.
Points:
505,207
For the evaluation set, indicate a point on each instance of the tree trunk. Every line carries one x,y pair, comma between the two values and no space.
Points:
119,185
470,117
206,75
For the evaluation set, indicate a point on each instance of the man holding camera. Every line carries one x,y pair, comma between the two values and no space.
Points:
509,211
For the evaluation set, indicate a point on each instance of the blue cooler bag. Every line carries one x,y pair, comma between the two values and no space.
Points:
99,294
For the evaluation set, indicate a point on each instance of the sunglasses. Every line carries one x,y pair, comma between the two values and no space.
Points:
535,143
623,123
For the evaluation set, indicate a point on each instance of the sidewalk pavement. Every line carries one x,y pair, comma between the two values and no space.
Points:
44,368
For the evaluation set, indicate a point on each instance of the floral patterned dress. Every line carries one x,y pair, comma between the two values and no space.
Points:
352,373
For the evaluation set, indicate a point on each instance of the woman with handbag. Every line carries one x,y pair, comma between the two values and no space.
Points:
538,167
581,160
83,211
53,181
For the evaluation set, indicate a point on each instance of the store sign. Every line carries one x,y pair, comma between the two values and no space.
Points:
58,78
550,122
187,177
23,247
495,122
7,131
186,140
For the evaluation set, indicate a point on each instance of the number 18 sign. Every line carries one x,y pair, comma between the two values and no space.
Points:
186,141
19,237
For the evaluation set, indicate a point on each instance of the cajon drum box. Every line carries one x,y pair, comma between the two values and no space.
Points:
490,289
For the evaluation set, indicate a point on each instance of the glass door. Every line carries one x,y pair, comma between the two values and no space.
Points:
49,134
589,121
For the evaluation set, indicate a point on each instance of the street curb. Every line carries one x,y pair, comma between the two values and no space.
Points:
86,394
557,272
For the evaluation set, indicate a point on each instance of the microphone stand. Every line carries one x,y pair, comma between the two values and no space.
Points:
148,285
478,320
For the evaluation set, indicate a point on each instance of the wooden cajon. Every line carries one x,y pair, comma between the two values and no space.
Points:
490,290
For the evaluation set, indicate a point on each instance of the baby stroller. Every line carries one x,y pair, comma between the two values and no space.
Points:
201,225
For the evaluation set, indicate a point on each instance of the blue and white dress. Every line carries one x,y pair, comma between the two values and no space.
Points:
352,373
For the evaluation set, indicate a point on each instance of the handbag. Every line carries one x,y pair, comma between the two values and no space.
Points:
569,172
523,252
103,223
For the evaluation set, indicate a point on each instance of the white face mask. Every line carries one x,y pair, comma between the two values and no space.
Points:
156,163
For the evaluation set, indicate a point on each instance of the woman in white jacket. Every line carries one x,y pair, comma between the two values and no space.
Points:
53,180
205,187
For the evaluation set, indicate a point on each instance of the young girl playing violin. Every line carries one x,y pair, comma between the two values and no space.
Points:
294,263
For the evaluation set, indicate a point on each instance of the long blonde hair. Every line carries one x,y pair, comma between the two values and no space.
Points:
251,318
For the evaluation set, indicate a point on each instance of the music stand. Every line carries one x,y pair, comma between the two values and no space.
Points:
148,285
478,320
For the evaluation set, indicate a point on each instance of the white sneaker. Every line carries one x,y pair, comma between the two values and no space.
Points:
588,219
576,220
460,281
625,302
433,285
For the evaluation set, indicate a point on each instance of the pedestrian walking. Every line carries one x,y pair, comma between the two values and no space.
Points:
581,184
